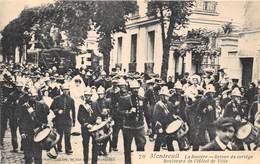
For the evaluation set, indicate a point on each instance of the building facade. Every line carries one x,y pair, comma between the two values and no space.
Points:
240,51
140,48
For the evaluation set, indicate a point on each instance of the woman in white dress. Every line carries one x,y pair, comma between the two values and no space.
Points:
77,87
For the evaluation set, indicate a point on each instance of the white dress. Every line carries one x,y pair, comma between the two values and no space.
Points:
77,92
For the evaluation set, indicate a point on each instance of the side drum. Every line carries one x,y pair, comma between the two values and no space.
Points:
247,133
101,131
47,137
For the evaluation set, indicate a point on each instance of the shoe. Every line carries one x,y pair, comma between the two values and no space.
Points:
151,139
100,153
14,151
69,152
104,153
115,149
59,150
164,147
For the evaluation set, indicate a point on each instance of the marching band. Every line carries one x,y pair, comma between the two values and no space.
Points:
204,112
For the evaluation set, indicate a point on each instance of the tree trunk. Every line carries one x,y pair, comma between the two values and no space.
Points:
106,62
106,46
166,48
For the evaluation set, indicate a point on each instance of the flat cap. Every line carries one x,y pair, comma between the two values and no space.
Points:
223,122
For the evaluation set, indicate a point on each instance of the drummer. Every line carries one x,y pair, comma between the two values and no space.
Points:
226,128
32,116
163,116
87,118
206,111
102,106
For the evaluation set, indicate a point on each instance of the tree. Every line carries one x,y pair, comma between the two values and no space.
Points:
75,18
175,14
13,33
110,17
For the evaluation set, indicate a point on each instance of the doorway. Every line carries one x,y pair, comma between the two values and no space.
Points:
247,69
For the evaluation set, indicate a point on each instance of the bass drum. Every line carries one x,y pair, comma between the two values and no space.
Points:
47,137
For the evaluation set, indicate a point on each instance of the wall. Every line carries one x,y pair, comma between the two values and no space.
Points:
142,25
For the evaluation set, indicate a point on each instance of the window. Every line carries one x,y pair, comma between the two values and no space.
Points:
135,14
133,48
209,6
119,49
150,57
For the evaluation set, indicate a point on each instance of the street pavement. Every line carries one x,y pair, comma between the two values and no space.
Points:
8,157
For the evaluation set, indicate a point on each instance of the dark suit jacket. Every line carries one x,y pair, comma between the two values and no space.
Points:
65,103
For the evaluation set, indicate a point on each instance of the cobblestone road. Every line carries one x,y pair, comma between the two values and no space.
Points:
8,157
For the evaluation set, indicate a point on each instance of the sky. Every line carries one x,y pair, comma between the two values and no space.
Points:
10,9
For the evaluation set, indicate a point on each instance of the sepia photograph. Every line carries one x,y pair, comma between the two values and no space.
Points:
129,81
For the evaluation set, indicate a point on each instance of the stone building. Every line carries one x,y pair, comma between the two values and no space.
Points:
140,49
240,50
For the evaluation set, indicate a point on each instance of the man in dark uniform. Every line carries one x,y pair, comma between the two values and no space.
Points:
170,83
103,81
13,101
150,101
177,99
113,93
233,108
87,118
163,116
6,110
33,115
62,106
102,106
226,128
52,87
132,108
207,113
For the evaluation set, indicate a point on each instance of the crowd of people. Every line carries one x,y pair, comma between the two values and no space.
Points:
199,112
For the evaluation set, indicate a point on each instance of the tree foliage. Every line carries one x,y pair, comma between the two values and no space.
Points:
76,18
110,17
173,16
